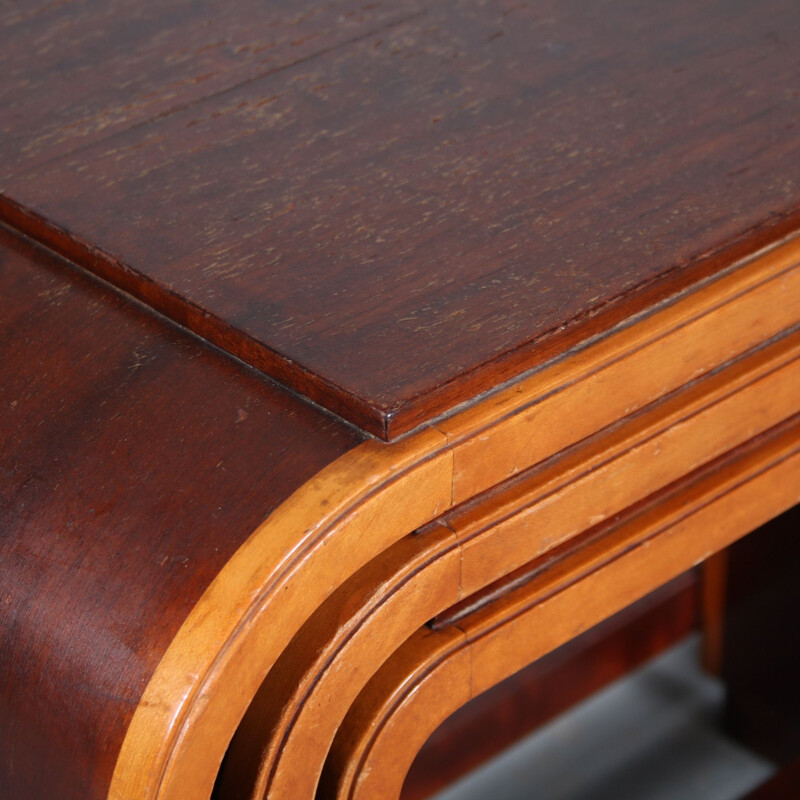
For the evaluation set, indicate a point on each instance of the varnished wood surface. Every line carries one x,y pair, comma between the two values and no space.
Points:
282,741
625,371
134,461
347,514
390,208
408,219
437,671
76,72
356,510
562,496
371,497
502,716
280,746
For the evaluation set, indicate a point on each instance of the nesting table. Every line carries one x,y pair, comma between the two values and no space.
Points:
355,356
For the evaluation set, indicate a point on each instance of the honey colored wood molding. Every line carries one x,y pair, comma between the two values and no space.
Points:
551,685
338,521
235,256
284,738
632,366
377,493
438,671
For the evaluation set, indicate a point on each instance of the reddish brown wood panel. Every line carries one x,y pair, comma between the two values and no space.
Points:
134,460
408,219
760,658
78,71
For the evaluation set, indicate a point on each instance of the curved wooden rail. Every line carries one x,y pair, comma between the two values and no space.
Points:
283,740
242,447
497,290
377,493
437,671
337,522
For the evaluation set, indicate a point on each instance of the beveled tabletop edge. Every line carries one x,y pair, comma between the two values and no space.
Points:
472,385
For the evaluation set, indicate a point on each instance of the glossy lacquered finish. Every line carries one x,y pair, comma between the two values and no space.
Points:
547,250
77,72
135,460
437,671
469,552
514,708
402,221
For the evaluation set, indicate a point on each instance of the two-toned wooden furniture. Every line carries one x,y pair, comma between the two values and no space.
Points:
355,356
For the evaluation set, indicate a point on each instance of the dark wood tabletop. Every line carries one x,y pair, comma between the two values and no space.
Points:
240,239
392,212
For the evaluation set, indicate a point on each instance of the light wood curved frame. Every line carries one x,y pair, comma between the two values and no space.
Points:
377,493
288,730
341,519
436,672
321,672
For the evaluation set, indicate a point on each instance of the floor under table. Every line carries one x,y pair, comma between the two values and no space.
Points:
654,735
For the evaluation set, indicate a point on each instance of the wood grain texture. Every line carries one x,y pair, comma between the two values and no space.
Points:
414,217
588,483
134,461
79,71
500,717
350,512
347,514
635,365
364,502
390,209
713,592
429,487
280,746
437,671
